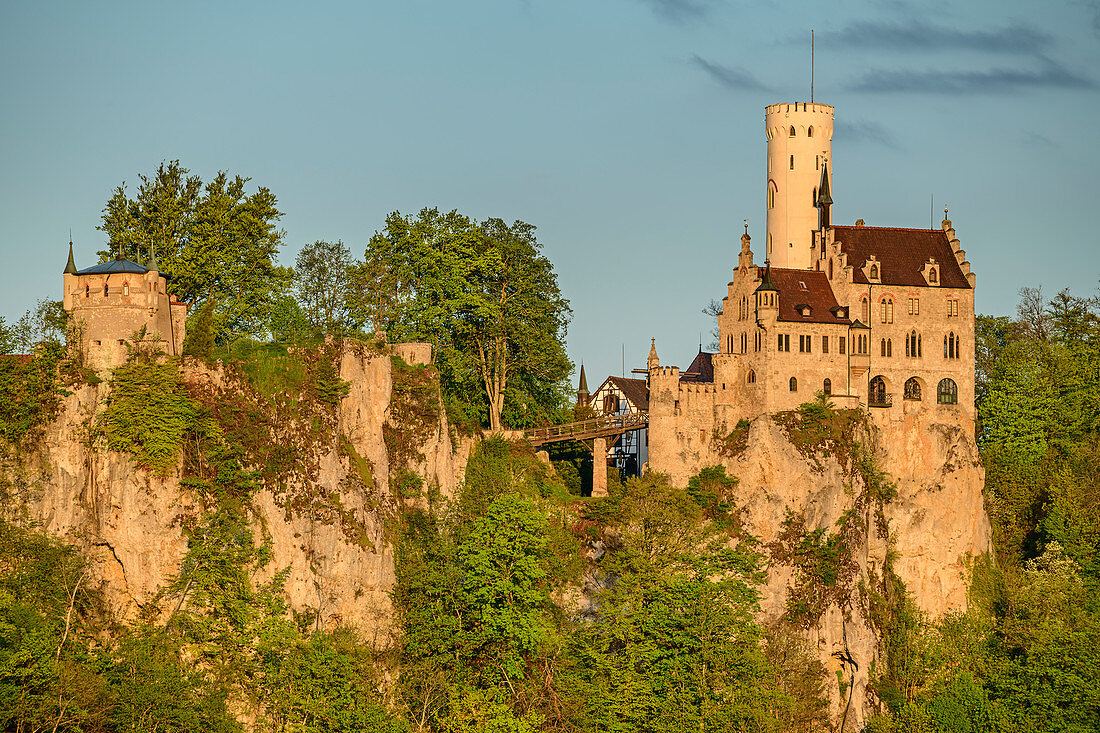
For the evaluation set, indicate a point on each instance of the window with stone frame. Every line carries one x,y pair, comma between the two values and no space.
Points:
886,308
827,386
793,384
912,389
947,393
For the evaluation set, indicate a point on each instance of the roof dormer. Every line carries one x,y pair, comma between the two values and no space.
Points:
931,272
872,270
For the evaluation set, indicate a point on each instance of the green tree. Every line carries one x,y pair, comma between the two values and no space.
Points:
215,240
487,298
672,645
322,273
481,638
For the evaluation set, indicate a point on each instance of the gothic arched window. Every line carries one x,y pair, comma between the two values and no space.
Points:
877,391
947,393
912,389
794,384
810,132
827,386
792,131
751,377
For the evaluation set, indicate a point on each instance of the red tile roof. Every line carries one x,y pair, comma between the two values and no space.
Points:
805,287
903,254
701,369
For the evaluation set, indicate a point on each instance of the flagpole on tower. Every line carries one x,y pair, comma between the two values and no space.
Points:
811,65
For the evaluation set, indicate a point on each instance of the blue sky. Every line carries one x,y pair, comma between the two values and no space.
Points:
628,131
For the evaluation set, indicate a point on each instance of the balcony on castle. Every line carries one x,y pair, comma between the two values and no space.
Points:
880,399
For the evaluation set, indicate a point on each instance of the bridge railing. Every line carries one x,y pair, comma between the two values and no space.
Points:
592,428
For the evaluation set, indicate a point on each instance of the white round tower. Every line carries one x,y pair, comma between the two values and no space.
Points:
800,142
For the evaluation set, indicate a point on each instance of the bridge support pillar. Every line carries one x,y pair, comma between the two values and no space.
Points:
599,467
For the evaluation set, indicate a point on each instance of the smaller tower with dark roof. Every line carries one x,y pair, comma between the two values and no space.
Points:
582,390
113,302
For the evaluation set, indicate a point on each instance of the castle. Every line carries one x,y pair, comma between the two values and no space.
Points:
113,301
875,318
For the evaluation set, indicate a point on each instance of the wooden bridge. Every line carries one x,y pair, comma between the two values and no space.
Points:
585,430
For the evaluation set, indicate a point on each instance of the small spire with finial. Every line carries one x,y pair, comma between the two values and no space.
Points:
70,266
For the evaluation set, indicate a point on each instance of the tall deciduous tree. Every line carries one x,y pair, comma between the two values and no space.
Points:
321,277
214,240
486,296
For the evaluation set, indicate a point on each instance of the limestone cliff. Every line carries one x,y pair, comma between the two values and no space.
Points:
328,525
837,506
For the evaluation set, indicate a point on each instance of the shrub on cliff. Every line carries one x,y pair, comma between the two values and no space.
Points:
149,413
30,392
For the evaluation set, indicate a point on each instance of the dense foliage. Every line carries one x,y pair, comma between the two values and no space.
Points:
214,240
30,392
1026,656
666,641
487,298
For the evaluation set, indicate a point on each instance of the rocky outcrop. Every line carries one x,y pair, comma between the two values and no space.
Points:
921,520
332,537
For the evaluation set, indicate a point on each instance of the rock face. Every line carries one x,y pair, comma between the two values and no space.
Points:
130,522
788,489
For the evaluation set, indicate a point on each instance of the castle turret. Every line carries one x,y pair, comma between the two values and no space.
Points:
800,138
767,295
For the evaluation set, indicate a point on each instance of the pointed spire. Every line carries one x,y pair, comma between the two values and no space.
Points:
766,281
824,199
152,263
653,362
824,195
582,388
745,239
70,267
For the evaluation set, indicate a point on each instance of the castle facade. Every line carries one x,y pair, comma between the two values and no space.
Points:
875,318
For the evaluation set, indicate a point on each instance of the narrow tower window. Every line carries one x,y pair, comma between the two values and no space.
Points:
792,162
810,132
792,131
